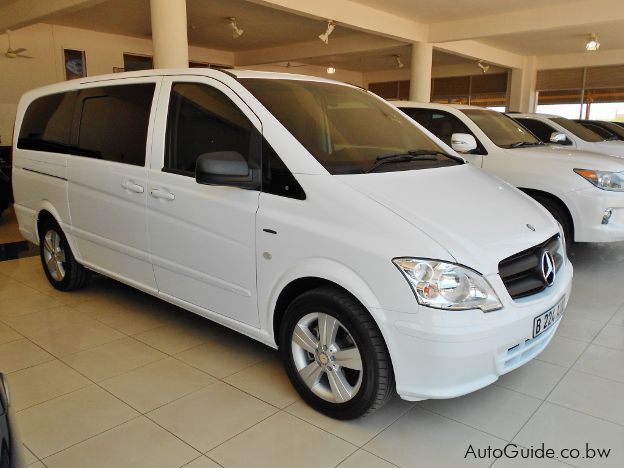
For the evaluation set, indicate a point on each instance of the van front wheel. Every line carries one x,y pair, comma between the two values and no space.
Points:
334,354
60,266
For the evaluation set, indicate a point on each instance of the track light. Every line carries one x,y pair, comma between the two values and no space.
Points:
592,43
236,31
331,70
399,64
330,29
483,66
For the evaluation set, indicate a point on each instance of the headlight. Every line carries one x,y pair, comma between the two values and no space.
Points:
613,181
449,286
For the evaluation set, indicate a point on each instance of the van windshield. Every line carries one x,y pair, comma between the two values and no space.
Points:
346,129
502,130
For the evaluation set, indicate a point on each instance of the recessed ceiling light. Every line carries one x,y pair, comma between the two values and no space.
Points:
592,43
399,64
331,70
325,36
236,31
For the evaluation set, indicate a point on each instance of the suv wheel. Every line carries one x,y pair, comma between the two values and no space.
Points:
60,266
334,354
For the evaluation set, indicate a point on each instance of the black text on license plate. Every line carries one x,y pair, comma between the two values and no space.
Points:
544,321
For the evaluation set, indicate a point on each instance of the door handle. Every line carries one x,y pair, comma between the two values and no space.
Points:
162,194
129,185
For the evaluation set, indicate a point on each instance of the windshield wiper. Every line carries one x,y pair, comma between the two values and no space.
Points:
414,155
520,144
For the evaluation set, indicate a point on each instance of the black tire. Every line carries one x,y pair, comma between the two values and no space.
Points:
561,215
75,275
377,377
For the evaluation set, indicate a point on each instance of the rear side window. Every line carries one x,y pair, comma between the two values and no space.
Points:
47,123
203,120
114,121
108,123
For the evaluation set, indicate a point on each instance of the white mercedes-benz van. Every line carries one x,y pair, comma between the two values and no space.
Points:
583,190
307,214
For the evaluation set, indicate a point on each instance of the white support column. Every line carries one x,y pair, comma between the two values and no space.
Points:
169,33
522,86
420,72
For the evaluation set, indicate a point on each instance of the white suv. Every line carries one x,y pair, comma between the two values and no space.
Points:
584,191
307,214
568,133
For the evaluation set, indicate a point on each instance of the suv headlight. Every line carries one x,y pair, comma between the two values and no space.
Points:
448,286
612,181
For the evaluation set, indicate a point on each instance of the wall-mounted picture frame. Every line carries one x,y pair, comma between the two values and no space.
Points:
75,64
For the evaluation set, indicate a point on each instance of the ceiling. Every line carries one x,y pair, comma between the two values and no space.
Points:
560,41
208,23
428,11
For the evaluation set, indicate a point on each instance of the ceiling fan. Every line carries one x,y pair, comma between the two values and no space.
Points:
15,53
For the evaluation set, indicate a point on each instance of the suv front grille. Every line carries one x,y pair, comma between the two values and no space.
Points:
522,273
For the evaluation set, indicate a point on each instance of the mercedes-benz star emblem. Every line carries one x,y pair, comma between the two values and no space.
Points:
531,227
548,267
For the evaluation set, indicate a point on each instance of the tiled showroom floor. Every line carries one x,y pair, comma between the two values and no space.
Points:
110,377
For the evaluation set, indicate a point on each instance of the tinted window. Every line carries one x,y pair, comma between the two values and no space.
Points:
276,178
502,130
345,128
204,120
114,121
538,128
47,123
577,129
603,132
441,124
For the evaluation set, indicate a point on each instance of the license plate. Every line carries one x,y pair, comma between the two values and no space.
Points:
544,321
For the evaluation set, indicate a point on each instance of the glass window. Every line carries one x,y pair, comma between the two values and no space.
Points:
613,128
541,130
598,130
345,128
441,124
276,178
204,120
577,129
114,121
502,130
134,62
47,123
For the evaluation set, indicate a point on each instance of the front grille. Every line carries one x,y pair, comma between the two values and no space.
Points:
521,273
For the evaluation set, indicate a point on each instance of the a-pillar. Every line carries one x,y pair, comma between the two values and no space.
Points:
522,86
169,33
420,72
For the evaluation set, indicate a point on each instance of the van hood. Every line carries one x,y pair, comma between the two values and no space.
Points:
477,218
574,158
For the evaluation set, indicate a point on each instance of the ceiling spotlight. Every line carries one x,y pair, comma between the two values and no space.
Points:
399,64
236,31
330,28
331,70
483,66
592,43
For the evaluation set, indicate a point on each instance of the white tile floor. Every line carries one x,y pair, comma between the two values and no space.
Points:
111,377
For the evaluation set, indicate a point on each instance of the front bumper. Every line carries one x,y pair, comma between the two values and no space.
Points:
588,208
445,354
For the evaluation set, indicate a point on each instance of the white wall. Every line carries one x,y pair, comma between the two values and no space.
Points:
46,43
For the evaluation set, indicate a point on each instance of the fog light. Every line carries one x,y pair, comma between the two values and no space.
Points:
606,217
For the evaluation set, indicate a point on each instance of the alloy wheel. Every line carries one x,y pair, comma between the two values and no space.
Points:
54,255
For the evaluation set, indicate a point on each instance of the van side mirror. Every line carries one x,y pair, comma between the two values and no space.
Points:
463,142
226,168
559,138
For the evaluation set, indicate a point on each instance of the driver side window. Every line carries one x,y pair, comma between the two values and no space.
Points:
203,120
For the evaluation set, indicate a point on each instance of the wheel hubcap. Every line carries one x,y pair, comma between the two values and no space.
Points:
326,357
54,255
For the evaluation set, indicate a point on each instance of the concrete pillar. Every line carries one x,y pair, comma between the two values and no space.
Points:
169,33
522,86
420,72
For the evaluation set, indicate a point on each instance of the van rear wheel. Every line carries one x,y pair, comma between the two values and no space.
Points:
59,264
335,355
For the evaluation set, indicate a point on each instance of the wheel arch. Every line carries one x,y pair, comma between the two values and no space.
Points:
553,198
46,211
